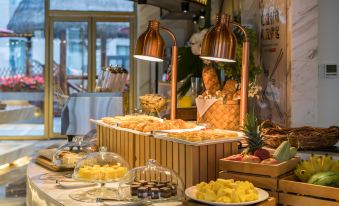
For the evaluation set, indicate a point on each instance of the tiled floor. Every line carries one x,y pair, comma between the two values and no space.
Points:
13,189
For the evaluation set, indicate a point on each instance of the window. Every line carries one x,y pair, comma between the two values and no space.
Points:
93,5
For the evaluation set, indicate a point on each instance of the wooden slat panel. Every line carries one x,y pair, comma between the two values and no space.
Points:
142,150
152,153
169,152
235,149
211,162
131,156
99,135
118,142
127,152
219,154
115,139
182,162
110,147
176,157
263,182
227,149
147,148
164,153
137,150
158,150
290,184
122,148
297,200
104,135
203,163
190,159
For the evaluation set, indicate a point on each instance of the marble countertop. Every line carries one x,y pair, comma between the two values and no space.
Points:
43,191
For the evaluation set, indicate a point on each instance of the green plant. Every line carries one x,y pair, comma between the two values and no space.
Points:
189,65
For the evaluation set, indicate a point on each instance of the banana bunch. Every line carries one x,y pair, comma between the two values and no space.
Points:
315,164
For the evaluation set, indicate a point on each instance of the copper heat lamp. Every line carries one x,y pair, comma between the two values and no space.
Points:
150,47
219,44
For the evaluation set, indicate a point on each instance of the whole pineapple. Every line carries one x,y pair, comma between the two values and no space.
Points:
254,137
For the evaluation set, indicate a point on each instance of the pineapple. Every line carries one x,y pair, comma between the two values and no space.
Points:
254,137
253,133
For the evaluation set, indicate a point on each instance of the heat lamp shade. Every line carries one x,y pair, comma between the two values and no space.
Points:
150,45
219,43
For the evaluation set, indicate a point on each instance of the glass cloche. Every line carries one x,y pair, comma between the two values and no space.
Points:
152,183
100,167
68,154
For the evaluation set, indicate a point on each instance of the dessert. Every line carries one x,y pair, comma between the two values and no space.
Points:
142,192
128,118
196,136
105,172
70,158
155,193
152,103
165,192
153,189
153,125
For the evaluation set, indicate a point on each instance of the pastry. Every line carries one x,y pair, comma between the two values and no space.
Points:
210,79
142,192
202,135
152,103
165,192
155,193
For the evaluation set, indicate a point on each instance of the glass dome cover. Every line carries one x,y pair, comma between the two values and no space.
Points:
152,183
101,167
68,154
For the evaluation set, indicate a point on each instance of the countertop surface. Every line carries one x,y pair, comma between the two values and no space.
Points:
42,190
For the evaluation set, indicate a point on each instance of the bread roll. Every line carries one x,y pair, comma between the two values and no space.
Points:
210,78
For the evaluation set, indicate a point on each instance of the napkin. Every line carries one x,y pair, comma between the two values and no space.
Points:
204,104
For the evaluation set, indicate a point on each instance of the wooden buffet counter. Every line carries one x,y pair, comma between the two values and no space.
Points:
194,162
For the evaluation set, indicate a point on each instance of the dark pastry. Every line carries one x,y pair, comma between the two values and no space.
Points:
159,185
143,182
149,187
165,192
134,190
173,188
155,193
164,182
151,184
142,192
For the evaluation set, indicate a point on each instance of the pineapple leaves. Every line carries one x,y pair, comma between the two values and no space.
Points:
252,131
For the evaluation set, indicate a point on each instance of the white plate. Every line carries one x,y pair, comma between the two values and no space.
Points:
191,193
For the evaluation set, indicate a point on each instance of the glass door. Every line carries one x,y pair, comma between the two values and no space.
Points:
79,48
70,63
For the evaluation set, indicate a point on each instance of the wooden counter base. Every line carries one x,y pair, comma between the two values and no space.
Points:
193,163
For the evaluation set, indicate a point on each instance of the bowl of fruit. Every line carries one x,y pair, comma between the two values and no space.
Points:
226,192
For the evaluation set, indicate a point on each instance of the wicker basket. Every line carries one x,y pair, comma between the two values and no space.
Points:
302,137
222,116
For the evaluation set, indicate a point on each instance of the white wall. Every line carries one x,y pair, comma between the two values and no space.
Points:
328,108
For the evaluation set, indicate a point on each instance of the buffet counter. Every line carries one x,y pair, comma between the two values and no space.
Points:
194,161
42,191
